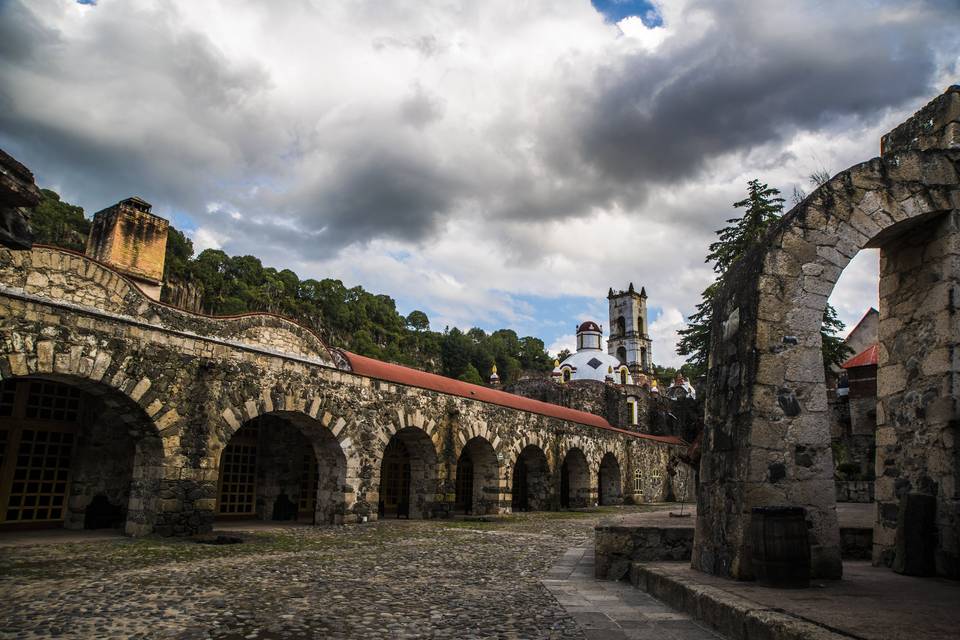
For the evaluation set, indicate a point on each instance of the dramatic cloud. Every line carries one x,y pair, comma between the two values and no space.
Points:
486,162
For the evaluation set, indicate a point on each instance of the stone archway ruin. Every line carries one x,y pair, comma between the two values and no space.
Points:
766,428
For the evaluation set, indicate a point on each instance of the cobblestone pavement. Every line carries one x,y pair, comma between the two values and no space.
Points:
395,579
615,610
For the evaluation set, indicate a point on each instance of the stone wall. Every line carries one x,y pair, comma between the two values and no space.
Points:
80,281
181,385
656,415
618,546
919,384
854,491
767,427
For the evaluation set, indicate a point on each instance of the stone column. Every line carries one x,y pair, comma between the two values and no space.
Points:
918,380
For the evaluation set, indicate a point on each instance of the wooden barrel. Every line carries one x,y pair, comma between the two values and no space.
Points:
781,547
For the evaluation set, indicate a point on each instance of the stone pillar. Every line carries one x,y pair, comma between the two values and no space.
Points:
918,381
767,437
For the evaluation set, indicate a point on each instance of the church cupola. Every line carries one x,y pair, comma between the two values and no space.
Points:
589,336
494,378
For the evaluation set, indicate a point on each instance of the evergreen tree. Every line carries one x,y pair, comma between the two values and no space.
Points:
763,206
835,350
59,223
471,374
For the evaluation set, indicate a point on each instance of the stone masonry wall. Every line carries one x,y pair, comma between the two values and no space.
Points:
656,415
182,385
919,384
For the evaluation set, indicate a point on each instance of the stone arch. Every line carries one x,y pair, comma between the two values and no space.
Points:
477,478
340,498
621,326
530,480
128,384
609,483
407,478
575,480
767,430
282,465
84,454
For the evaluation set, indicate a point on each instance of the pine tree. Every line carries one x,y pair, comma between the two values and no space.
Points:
764,206
835,350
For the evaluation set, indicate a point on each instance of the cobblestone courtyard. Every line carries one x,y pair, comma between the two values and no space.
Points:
449,579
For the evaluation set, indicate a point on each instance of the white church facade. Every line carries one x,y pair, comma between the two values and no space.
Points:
628,356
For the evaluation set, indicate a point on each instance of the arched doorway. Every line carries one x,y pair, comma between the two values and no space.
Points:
75,454
531,481
609,489
574,481
282,466
477,487
408,475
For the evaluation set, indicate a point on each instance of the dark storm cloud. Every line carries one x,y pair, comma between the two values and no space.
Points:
144,104
136,105
377,194
21,33
756,76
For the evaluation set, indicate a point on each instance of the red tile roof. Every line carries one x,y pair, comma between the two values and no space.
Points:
865,358
416,378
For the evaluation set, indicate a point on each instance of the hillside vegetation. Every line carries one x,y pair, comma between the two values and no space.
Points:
347,317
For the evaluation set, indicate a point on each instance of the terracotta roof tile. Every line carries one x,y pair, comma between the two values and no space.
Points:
416,378
865,358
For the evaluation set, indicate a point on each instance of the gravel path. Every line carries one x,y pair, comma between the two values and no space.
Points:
395,579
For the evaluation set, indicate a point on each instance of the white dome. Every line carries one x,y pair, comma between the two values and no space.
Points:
591,364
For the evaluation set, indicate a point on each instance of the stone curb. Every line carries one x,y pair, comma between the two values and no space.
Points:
733,616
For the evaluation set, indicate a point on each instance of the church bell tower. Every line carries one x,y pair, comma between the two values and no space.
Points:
629,341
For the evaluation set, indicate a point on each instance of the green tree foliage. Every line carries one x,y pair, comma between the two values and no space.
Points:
418,320
176,265
835,350
351,318
471,375
762,207
59,223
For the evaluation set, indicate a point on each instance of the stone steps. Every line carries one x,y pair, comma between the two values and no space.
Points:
730,615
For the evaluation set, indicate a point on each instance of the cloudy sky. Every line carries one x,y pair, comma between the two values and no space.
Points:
495,164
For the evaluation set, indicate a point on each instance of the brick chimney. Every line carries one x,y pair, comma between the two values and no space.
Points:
131,240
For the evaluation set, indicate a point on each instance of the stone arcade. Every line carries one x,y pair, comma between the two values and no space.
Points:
117,408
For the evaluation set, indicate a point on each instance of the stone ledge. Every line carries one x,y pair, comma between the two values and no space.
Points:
728,614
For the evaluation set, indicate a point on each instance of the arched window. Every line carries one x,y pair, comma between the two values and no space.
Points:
623,375
640,325
622,355
621,326
637,482
632,405
566,375
643,358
